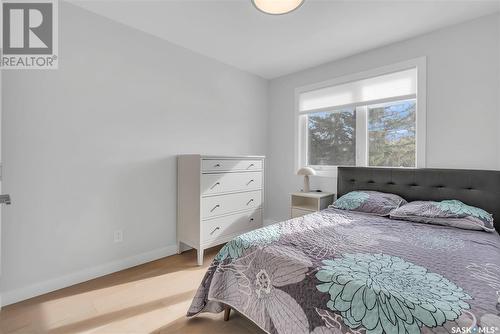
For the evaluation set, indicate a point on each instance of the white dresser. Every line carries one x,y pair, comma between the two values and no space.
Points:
218,198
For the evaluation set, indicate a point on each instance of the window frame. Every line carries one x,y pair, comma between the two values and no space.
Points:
362,116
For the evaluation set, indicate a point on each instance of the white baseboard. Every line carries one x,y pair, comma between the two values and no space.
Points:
17,295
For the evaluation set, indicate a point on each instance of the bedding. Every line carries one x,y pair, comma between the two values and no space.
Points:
338,271
448,212
369,201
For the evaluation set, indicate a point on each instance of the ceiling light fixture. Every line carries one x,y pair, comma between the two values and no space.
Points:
277,7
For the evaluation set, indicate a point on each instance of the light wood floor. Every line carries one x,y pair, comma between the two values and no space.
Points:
151,298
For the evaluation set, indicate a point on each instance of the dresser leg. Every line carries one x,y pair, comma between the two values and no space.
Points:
178,247
200,256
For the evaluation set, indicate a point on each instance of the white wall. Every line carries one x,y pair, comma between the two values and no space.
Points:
463,108
90,148
498,79
0,183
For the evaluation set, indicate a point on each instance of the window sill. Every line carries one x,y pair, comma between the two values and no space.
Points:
331,171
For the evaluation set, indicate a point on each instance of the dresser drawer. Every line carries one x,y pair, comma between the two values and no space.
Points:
211,165
230,226
229,182
224,204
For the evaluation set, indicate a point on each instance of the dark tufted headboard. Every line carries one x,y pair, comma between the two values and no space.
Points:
480,188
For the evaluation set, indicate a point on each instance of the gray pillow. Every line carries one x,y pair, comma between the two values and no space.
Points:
368,201
448,212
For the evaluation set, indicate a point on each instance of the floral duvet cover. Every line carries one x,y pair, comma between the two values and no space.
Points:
338,272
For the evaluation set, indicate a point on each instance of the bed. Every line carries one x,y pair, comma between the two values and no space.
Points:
337,271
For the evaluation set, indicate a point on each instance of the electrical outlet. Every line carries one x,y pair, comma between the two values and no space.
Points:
118,236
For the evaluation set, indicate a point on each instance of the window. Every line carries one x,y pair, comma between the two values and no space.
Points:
332,137
391,134
370,119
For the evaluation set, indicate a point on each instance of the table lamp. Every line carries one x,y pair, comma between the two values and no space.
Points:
306,171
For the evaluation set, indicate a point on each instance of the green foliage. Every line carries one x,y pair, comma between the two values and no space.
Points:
391,135
332,138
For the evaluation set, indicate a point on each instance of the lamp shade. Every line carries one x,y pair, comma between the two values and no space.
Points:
306,171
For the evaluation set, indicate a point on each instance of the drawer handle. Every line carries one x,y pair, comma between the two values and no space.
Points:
250,201
250,166
217,165
215,207
215,230
251,219
252,180
215,185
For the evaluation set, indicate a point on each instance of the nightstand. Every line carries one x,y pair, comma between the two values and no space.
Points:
305,203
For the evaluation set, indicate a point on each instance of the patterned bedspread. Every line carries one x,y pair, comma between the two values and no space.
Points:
342,272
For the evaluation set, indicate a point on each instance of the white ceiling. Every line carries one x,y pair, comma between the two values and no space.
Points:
234,32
